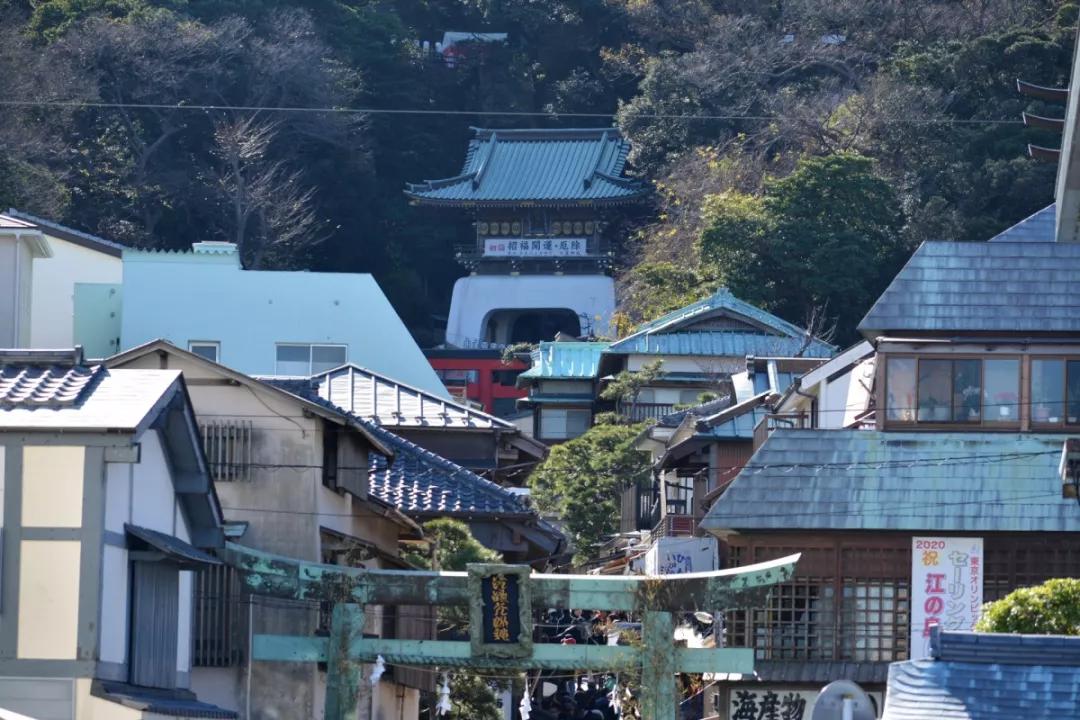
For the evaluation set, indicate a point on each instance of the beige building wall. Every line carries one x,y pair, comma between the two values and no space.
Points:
48,599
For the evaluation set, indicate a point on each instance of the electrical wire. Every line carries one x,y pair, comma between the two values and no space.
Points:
83,104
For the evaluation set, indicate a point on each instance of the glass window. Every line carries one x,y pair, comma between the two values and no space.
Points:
901,389
935,390
1047,390
300,359
967,390
1072,389
326,357
1001,391
293,360
563,423
207,349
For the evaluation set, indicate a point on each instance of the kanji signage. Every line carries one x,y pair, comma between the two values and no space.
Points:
500,610
946,587
779,703
535,247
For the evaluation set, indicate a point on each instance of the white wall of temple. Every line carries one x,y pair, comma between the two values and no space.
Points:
477,296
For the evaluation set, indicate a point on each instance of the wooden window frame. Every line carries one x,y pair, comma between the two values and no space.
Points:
982,424
1064,424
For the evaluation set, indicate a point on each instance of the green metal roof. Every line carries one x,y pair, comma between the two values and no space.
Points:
764,334
871,480
547,167
564,361
982,286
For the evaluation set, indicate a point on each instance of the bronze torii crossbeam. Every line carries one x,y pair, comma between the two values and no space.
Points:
500,598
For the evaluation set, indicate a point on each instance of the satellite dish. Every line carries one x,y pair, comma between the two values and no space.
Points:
836,695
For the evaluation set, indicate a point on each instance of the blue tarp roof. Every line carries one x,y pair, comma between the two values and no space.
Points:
763,335
985,676
982,287
551,167
870,480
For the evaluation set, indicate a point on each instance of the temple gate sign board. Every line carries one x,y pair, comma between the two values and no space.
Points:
500,599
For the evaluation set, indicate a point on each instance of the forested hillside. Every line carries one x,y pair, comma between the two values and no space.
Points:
798,149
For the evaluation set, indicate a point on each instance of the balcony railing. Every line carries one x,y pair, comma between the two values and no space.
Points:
646,411
772,421
675,526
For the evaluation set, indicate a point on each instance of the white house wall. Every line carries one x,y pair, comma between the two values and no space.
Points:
152,489
52,306
114,605
48,599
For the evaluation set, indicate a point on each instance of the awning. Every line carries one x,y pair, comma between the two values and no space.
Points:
169,547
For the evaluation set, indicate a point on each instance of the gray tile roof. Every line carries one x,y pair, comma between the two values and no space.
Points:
46,386
553,167
390,403
1038,227
974,676
982,286
870,480
822,672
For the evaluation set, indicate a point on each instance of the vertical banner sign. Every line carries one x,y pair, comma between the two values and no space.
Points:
946,587
500,610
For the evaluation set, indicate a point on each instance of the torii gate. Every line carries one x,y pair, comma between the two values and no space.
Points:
500,598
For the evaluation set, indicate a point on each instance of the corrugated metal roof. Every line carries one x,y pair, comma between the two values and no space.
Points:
1038,227
976,676
565,361
545,166
988,286
869,480
765,334
390,403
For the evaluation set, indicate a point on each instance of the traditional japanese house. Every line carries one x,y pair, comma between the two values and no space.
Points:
108,511
699,347
537,253
471,438
957,489
293,477
563,385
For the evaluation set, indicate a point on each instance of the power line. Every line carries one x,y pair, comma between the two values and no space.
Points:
81,104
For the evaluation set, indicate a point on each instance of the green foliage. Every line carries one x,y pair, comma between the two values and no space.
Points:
581,481
1052,608
453,547
652,289
826,236
626,386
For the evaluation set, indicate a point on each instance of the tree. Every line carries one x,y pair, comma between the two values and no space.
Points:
582,479
1052,608
826,236
627,386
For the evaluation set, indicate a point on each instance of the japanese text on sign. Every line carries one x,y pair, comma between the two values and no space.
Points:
530,247
502,621
946,587
780,703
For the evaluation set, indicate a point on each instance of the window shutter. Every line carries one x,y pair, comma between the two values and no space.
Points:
155,617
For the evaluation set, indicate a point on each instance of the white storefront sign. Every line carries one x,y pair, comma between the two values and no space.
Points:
535,247
946,587
676,555
780,702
